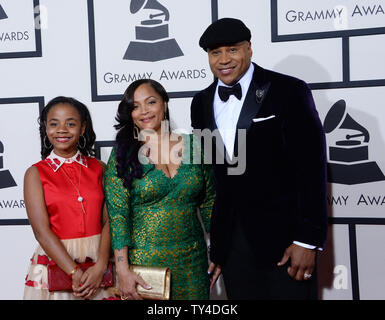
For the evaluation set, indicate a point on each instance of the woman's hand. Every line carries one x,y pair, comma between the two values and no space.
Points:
76,277
90,281
214,272
128,281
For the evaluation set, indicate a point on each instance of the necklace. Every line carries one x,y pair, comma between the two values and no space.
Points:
80,198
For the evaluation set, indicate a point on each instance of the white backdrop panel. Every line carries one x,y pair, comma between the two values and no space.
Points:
366,107
17,31
180,115
121,52
302,59
21,145
312,16
371,262
334,266
367,57
17,244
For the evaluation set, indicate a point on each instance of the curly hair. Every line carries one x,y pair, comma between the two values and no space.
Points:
127,147
85,116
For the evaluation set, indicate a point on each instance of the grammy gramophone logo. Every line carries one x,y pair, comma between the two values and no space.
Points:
6,179
3,15
349,157
152,35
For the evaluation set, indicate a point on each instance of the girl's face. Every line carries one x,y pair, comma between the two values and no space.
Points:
63,128
149,108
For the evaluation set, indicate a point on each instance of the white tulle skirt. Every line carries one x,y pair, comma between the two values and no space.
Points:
36,282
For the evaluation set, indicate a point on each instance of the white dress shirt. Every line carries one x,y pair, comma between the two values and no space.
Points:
226,114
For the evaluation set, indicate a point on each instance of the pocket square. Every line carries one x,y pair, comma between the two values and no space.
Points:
263,119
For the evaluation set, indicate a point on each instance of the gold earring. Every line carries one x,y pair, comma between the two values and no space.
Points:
82,145
45,143
136,132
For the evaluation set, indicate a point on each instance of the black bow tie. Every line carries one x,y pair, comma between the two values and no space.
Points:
226,92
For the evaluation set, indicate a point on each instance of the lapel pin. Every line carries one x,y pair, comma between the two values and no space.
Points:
259,95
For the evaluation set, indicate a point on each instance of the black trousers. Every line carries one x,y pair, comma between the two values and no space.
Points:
245,280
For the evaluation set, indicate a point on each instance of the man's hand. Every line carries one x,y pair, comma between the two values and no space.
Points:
302,262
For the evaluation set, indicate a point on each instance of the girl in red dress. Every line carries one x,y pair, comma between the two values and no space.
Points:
65,204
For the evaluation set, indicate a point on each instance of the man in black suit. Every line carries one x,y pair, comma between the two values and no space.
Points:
270,217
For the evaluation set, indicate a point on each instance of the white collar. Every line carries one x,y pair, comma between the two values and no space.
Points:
55,161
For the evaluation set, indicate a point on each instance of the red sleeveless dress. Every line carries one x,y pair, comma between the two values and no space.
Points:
77,224
65,212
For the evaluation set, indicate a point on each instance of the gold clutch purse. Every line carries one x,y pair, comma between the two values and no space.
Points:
157,277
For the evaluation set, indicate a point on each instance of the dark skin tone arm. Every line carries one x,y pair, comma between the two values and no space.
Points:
302,261
128,280
214,271
38,218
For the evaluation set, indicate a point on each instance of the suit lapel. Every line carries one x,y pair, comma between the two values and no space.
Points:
255,96
209,107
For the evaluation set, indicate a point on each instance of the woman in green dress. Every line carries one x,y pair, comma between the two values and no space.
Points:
153,190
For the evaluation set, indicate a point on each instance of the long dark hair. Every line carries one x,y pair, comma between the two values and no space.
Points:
89,133
127,147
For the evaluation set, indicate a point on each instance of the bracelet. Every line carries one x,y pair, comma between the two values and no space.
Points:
73,271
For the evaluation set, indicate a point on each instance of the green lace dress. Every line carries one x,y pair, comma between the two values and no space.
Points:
157,220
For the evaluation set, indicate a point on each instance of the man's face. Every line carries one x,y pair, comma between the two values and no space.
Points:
229,63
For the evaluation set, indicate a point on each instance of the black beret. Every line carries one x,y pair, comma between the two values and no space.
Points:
224,31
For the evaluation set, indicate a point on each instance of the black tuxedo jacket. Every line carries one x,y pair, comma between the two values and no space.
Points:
281,196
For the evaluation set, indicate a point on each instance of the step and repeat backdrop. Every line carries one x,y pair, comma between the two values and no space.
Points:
93,49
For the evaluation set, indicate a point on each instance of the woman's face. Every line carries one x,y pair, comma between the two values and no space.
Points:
63,128
149,108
